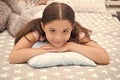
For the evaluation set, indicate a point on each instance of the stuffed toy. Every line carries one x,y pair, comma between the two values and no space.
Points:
7,7
17,22
15,14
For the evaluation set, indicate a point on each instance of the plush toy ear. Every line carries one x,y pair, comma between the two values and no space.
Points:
13,4
81,35
5,12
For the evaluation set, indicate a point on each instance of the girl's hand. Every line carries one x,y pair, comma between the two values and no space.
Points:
48,47
51,48
64,48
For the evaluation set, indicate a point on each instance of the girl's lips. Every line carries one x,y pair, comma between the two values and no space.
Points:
58,44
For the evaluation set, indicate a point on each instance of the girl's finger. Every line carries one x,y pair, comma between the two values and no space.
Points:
47,47
54,50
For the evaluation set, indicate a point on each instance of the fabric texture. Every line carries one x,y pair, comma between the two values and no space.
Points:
6,8
85,5
14,6
5,11
16,23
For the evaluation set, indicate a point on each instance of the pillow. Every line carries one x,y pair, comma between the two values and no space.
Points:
62,59
38,15
85,5
55,59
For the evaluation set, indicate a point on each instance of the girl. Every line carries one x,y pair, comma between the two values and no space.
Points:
59,28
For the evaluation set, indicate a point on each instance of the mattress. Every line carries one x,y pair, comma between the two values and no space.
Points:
105,30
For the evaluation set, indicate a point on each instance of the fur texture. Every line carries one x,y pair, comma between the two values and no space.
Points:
14,15
6,8
16,22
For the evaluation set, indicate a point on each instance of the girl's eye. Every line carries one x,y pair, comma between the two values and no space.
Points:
65,31
52,30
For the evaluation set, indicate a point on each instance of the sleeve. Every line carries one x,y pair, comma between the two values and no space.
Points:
36,35
82,35
83,38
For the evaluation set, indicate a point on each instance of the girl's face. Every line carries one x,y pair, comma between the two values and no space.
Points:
58,32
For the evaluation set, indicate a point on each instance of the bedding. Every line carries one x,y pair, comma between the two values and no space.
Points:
105,30
84,5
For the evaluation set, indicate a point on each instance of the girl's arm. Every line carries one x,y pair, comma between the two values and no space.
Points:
22,51
91,50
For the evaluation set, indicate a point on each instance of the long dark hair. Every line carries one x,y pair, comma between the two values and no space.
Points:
54,11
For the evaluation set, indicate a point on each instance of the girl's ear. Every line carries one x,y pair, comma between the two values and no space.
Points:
42,26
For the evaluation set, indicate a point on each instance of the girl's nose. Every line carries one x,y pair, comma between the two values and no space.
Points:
59,37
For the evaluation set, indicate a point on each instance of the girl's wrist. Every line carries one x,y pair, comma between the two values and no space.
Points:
71,46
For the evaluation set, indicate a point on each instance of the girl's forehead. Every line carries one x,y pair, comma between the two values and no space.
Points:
59,23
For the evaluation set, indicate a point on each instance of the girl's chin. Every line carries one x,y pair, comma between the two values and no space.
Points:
57,46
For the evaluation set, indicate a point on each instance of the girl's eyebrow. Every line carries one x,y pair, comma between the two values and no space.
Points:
64,29
67,28
51,28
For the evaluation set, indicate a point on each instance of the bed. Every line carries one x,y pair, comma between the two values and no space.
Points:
105,30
